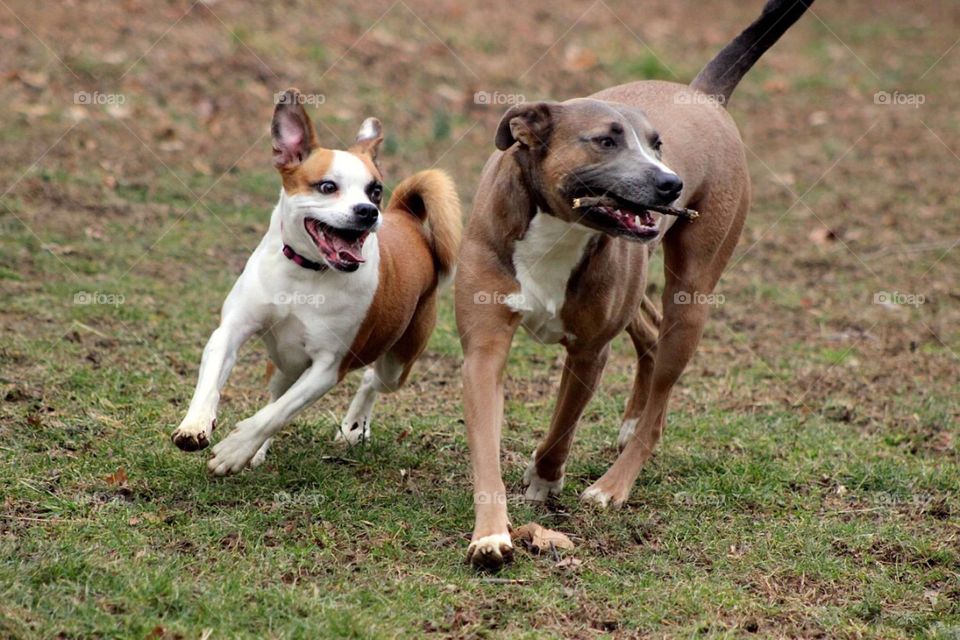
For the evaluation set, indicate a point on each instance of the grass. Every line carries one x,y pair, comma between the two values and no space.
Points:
741,521
807,484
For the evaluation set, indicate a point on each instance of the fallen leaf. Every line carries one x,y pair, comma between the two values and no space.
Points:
117,478
119,111
818,118
33,110
776,85
577,58
59,249
539,538
823,235
569,563
34,79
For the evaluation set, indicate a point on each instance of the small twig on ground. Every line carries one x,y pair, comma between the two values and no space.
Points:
553,550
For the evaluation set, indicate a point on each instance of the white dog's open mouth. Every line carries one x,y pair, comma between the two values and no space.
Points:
342,248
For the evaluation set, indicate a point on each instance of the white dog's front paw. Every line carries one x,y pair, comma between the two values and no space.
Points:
353,430
233,453
193,435
538,489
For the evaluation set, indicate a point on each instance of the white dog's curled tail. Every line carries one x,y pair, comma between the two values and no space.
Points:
431,196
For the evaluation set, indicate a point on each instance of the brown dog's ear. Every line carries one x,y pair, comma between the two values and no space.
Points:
369,138
293,134
529,123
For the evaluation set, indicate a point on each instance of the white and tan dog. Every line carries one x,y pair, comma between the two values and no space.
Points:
335,285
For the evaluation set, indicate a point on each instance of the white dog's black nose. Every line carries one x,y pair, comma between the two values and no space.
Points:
366,213
669,186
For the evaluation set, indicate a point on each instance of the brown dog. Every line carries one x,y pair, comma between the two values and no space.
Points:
577,276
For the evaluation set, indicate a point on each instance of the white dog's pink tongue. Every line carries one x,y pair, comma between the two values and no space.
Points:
350,255
346,251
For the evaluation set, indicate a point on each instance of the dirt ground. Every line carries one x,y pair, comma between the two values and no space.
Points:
136,180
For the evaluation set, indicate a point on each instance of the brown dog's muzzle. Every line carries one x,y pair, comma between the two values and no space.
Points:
634,186
637,183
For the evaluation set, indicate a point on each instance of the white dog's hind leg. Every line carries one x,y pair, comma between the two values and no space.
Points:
356,424
279,383
383,377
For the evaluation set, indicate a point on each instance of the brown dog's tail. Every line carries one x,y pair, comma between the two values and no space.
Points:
432,197
722,74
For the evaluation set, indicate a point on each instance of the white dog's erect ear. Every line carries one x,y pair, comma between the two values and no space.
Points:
293,134
369,138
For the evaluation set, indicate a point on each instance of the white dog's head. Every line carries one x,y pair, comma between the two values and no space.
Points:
331,199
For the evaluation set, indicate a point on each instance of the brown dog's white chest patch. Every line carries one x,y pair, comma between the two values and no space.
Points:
544,259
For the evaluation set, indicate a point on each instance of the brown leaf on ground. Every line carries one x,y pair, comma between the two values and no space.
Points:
823,235
117,478
539,538
570,563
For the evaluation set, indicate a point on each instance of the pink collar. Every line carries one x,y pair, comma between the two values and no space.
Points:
301,261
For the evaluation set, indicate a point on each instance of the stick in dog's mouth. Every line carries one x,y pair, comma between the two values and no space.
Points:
613,203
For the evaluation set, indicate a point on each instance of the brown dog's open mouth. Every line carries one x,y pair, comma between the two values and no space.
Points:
342,248
621,219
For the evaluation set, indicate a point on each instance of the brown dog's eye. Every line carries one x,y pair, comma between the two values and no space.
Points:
326,187
606,142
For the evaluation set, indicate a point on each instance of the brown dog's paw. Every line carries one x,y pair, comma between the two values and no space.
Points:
538,489
188,439
490,553
602,498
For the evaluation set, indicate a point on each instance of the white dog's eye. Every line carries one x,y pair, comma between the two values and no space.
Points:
375,194
326,187
657,144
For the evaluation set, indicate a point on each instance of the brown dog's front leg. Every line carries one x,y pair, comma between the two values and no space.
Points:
484,360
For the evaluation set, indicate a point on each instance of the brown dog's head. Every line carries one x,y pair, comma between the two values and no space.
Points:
331,199
588,147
